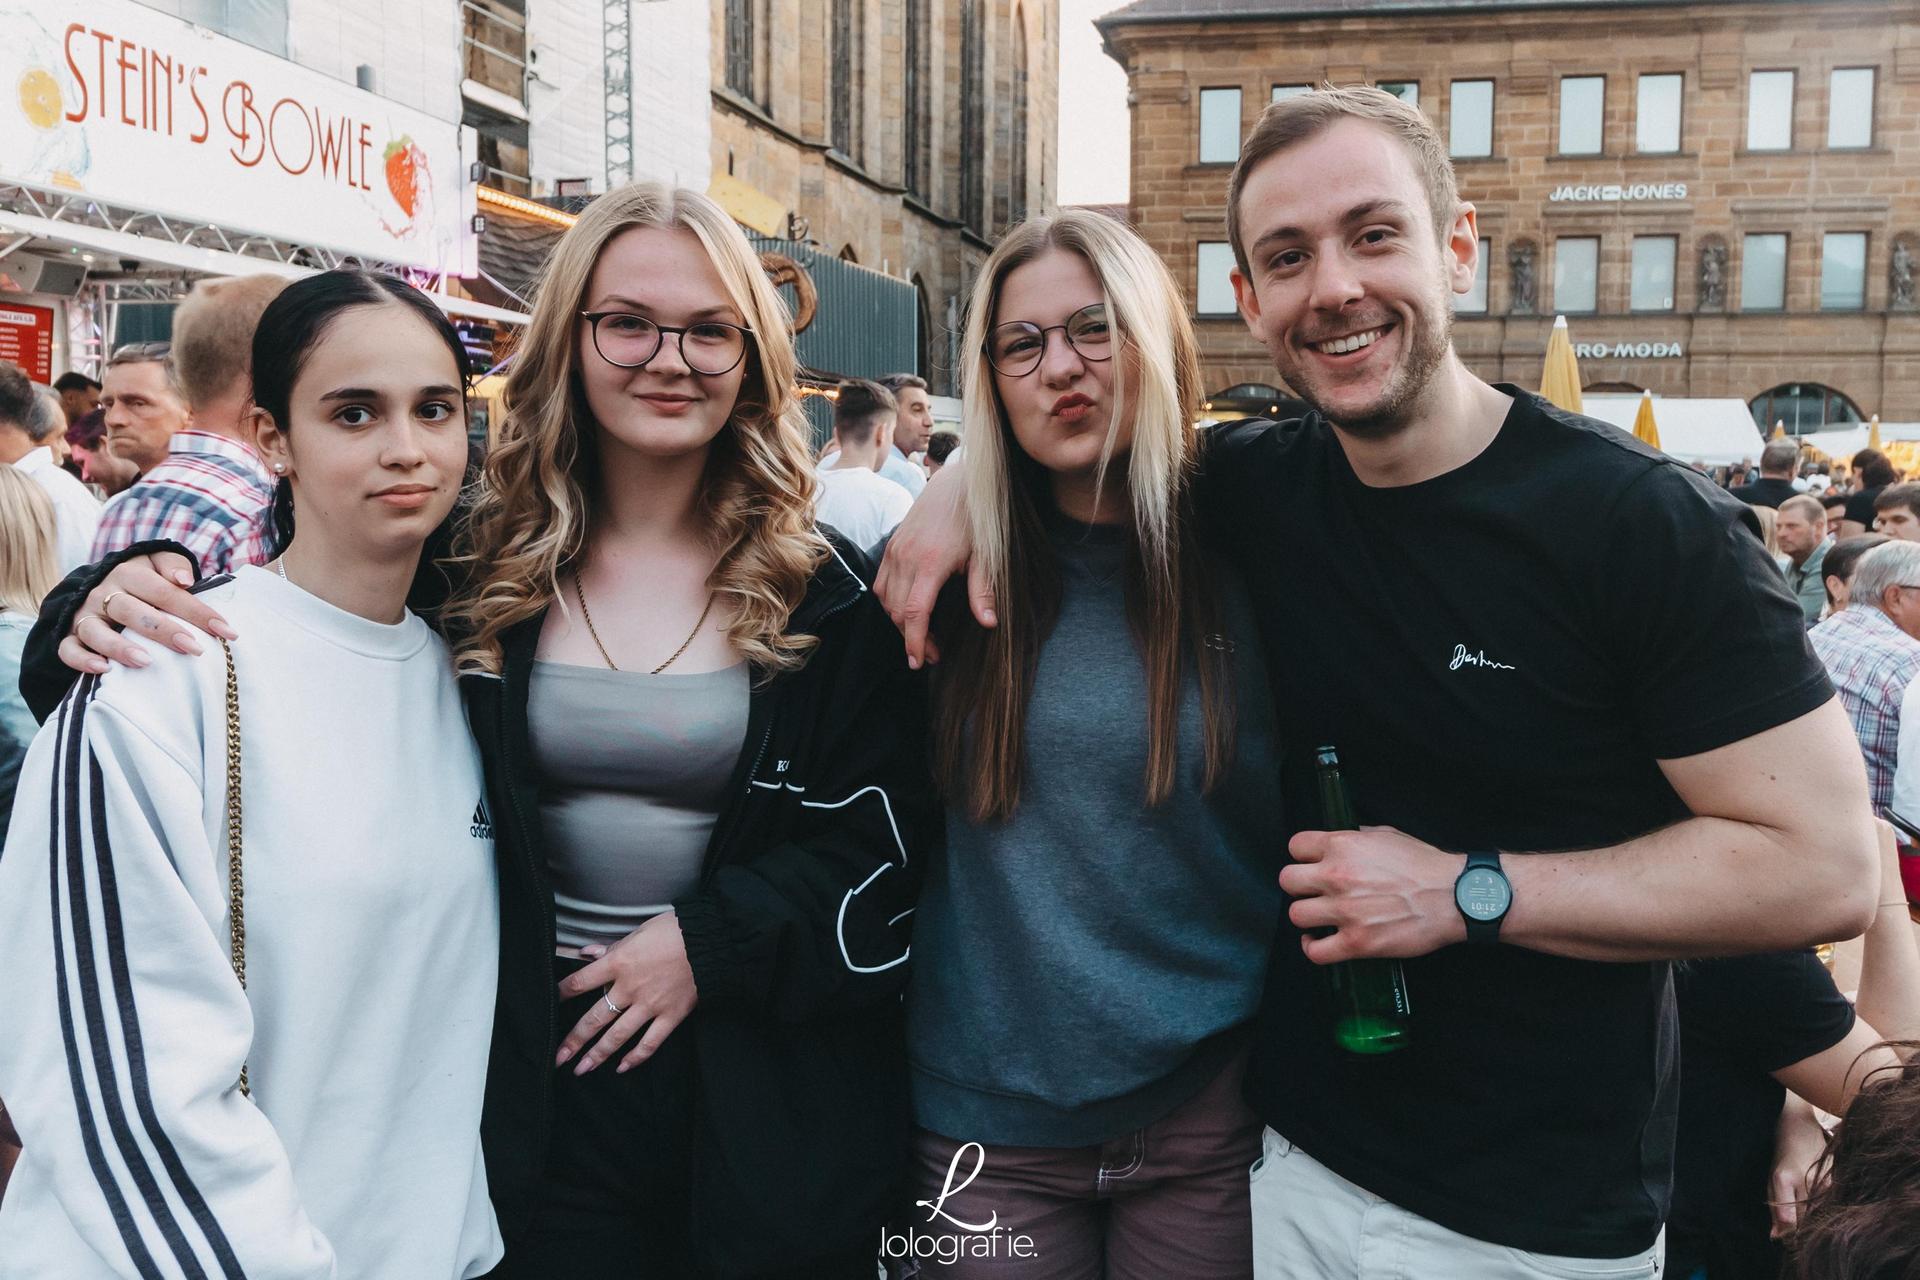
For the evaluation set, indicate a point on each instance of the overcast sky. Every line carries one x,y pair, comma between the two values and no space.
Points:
1093,110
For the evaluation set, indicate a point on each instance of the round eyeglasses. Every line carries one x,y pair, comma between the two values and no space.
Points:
1015,349
628,341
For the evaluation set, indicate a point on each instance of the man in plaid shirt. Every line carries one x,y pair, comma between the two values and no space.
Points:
201,485
1872,653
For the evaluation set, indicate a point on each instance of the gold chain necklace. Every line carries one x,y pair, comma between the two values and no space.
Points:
581,592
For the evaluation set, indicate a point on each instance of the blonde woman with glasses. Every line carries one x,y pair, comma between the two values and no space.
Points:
706,779
1093,940
710,771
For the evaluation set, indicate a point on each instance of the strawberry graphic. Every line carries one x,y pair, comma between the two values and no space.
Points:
404,162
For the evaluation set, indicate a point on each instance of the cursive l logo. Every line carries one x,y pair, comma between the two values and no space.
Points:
934,1207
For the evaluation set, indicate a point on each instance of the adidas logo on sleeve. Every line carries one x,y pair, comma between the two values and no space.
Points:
482,828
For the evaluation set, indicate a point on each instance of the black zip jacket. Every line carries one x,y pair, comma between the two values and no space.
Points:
797,937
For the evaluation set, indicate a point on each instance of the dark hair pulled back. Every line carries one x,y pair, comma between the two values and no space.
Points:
296,322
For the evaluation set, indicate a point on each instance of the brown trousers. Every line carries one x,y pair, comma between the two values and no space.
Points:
1169,1200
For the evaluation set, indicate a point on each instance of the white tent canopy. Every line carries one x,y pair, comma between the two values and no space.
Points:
1718,432
1844,442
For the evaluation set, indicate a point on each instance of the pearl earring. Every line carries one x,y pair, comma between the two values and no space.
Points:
279,468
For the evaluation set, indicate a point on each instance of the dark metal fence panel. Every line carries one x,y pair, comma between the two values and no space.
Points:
866,323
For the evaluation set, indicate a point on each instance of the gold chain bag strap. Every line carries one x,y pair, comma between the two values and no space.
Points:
236,898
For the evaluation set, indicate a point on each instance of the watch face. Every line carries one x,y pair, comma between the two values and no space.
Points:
1483,894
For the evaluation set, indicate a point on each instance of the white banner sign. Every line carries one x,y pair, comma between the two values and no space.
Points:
1615,192
126,104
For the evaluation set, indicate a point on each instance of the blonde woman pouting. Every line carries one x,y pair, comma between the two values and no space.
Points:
1093,939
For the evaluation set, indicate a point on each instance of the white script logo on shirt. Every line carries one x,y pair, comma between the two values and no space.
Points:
1461,658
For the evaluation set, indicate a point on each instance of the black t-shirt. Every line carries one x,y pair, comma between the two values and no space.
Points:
1860,505
1765,492
1501,654
1740,1019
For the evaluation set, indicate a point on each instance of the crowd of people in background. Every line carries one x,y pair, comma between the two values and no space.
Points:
1037,939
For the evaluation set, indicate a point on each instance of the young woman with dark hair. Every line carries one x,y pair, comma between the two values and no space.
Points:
263,915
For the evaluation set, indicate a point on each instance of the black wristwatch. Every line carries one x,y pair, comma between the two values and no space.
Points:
1483,894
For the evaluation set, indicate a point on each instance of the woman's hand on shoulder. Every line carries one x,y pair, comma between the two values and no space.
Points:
147,596
648,981
931,545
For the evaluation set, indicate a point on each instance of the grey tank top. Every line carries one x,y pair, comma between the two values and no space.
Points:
632,770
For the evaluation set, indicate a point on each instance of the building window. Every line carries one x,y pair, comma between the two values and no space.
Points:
1470,118
1474,301
1770,111
1019,158
740,15
1802,407
1213,289
914,125
1219,126
1656,119
973,117
1576,274
1763,272
1653,259
260,23
1284,91
1408,91
844,125
1843,271
1583,109
1850,108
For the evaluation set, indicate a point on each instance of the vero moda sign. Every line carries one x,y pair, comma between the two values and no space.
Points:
117,101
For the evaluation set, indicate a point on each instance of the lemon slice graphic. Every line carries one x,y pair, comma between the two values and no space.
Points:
40,98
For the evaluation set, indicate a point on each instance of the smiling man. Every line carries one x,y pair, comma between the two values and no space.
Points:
1635,665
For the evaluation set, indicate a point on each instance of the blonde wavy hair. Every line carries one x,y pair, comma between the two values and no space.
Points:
28,568
981,691
530,520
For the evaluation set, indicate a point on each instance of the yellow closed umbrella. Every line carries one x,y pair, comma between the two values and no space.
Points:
1873,433
1560,376
1644,428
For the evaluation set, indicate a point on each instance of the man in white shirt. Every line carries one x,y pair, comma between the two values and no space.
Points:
913,423
29,420
862,505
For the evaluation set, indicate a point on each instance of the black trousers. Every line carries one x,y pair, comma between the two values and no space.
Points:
614,1203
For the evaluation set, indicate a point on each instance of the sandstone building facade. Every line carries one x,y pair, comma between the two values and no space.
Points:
1722,196
905,135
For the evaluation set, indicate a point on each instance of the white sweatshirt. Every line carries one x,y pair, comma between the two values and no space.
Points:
372,923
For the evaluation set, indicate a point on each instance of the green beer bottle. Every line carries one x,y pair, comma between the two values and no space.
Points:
1368,997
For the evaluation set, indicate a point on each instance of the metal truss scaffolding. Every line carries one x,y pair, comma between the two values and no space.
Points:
617,88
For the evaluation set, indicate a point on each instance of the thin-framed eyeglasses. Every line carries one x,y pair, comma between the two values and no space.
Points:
629,341
1016,348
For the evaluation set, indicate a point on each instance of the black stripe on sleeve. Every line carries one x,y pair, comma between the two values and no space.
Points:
183,1183
64,788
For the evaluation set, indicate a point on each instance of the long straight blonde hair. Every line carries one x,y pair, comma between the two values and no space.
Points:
28,566
982,690
531,519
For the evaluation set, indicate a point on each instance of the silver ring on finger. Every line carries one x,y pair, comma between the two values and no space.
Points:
606,998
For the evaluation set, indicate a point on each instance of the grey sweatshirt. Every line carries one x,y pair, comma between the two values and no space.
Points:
1079,969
